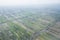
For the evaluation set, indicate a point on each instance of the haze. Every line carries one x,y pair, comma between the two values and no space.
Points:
26,2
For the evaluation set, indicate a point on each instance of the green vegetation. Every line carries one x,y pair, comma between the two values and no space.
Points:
29,24
2,19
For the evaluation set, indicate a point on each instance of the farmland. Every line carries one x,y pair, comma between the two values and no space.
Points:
29,23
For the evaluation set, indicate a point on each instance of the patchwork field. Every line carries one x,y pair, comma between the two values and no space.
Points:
29,24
